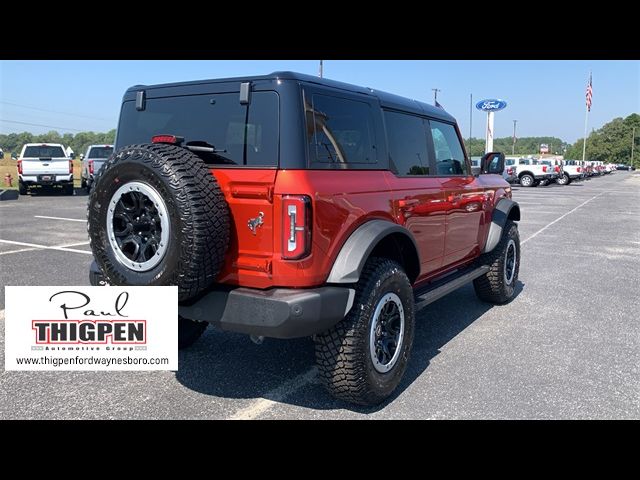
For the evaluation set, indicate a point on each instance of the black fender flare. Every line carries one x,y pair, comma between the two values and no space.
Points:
505,209
349,263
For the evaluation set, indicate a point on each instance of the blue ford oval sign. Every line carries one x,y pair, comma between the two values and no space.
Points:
491,105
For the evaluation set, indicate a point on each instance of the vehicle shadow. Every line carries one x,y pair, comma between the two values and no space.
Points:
228,365
56,192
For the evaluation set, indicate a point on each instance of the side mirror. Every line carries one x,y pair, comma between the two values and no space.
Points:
13,157
82,156
72,156
492,163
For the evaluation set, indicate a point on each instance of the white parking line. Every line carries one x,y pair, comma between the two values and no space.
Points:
61,218
258,407
559,218
34,246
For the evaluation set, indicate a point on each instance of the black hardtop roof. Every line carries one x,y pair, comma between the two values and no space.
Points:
386,99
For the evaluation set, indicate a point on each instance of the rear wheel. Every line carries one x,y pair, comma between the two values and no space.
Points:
68,189
22,189
363,358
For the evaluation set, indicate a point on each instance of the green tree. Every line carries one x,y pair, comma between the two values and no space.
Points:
611,143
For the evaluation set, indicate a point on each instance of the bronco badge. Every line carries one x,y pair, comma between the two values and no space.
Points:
254,223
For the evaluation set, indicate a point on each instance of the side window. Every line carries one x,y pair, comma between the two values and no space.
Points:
449,154
407,144
340,131
509,162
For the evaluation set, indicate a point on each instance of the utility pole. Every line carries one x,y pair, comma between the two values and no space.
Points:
435,95
320,72
633,143
513,147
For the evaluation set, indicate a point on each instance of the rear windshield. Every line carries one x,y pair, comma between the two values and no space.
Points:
240,134
43,151
100,152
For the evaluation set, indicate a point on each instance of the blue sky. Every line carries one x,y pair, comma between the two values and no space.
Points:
546,97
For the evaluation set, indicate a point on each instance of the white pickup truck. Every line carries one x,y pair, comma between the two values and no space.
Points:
572,170
92,162
45,165
530,172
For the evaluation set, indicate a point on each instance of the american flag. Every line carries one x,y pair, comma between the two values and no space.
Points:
589,93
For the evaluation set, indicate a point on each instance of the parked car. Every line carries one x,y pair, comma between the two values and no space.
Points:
509,173
288,206
555,166
92,161
529,172
44,165
571,171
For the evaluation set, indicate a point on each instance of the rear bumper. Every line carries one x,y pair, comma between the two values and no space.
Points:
276,312
55,180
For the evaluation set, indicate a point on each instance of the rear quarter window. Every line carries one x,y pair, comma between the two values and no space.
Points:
340,131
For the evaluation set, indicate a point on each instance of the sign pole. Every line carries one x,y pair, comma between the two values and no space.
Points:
488,147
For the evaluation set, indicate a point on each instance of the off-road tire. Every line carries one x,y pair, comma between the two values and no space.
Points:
197,211
342,353
492,287
189,331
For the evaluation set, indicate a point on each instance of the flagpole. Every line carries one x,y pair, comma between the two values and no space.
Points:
584,142
587,108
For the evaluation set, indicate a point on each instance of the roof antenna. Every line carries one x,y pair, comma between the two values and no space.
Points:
320,71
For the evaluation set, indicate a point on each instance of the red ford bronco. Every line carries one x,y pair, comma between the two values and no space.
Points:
286,205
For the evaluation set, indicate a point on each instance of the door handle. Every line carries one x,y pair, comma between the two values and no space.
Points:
408,202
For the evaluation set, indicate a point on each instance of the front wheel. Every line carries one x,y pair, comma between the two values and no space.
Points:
498,284
526,180
564,180
363,358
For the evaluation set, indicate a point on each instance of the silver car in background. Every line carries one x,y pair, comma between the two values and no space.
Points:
91,162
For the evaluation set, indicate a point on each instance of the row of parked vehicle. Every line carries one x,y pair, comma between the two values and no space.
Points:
532,171
50,165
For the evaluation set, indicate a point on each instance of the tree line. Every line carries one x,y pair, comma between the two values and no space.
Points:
79,142
523,146
611,143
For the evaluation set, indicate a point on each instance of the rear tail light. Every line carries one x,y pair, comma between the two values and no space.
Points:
296,222
544,168
170,139
510,171
91,167
579,169
19,167
557,169
70,166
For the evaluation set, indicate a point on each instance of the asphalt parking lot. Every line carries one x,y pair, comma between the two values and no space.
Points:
568,346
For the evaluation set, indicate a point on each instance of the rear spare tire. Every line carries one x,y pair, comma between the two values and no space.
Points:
158,217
